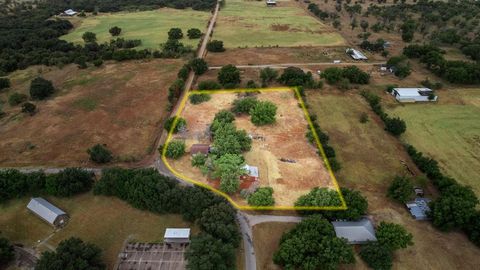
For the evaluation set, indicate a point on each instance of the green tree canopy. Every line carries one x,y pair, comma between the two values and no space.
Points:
7,253
294,76
69,182
181,124
268,75
115,31
198,65
377,256
4,83
319,197
219,220
312,245
175,149
401,189
175,33
206,252
229,75
193,33
215,46
263,113
89,37
229,168
72,253
393,236
261,197
41,88
357,206
244,105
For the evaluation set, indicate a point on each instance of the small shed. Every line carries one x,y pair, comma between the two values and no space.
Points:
251,175
177,235
271,3
356,54
48,212
356,232
419,208
412,95
70,12
200,149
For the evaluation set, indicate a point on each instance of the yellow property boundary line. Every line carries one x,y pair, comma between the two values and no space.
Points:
226,196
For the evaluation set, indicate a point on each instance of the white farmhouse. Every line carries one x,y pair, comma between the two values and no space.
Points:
413,94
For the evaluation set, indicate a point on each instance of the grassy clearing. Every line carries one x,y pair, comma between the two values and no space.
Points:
251,23
267,237
149,26
449,132
105,221
360,147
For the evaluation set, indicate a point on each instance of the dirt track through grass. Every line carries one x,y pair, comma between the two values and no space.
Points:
251,23
149,26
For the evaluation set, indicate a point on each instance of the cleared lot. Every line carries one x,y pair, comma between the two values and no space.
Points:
284,139
251,23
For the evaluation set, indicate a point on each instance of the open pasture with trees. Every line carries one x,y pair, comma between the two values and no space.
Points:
448,131
371,158
121,105
251,23
283,139
151,27
92,219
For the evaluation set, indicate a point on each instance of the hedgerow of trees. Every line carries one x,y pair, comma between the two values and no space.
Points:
401,189
353,74
394,125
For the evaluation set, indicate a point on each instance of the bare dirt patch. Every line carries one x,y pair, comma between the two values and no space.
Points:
120,104
284,139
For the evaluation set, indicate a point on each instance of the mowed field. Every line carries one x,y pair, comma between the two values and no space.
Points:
121,105
251,23
370,157
149,26
448,131
105,221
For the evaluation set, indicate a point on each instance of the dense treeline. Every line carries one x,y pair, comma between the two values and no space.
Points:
68,182
148,190
453,71
394,125
456,206
28,36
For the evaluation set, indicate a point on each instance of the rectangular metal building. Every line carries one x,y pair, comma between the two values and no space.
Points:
177,235
48,212
356,232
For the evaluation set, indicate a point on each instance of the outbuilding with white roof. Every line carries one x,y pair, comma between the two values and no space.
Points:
414,94
177,235
48,212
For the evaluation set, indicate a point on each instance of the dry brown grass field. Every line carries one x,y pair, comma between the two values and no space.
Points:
121,105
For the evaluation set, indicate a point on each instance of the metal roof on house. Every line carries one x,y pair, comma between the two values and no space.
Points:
419,208
411,92
356,232
199,148
251,170
176,233
45,210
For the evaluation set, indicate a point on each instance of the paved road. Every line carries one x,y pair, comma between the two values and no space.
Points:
285,65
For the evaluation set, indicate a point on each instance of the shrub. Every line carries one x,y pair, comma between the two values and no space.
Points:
224,116
393,236
198,65
209,85
199,98
181,124
377,256
7,253
4,83
244,105
183,72
261,197
69,182
401,189
263,113
363,118
16,98
473,228
29,108
395,126
100,154
294,76
229,75
251,84
193,33
198,160
175,33
268,75
98,62
41,88
175,149
115,31
319,197
89,37
332,75
215,46
355,75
